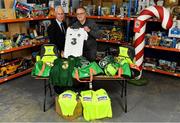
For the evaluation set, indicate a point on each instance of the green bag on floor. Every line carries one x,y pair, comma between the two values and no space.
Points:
41,69
140,82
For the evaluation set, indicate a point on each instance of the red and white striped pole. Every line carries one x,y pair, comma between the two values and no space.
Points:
140,26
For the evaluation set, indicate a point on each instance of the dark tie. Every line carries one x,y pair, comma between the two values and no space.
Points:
62,28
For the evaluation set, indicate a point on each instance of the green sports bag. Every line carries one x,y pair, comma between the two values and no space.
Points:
41,69
87,72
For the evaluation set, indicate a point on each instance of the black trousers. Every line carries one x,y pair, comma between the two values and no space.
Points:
90,54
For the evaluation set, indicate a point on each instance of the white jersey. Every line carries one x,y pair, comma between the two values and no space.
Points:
74,42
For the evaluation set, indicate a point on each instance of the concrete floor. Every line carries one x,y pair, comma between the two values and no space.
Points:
21,99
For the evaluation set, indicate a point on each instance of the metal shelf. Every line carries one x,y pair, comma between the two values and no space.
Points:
19,20
15,75
113,41
163,48
161,71
25,19
115,18
21,48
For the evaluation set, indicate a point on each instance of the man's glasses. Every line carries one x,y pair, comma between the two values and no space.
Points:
60,14
79,14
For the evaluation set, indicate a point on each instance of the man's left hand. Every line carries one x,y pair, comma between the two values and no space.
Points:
87,29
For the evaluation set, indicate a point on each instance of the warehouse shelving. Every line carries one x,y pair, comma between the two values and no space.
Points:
2,52
4,79
113,18
161,71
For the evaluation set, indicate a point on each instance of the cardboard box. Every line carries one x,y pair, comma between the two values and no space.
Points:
77,112
7,14
8,3
15,28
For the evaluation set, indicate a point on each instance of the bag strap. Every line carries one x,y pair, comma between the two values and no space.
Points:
120,71
135,67
42,69
91,71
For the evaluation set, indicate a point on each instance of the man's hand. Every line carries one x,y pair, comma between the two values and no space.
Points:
87,29
62,53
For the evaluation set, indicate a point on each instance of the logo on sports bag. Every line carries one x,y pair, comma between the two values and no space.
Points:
65,65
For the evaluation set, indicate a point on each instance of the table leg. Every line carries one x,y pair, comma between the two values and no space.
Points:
122,90
49,85
125,95
44,95
123,84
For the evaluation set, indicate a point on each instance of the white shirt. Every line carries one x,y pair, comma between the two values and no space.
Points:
59,23
74,42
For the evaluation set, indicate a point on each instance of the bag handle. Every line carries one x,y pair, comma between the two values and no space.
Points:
119,73
135,67
91,71
42,69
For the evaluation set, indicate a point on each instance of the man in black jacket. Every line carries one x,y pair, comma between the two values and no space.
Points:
56,31
90,46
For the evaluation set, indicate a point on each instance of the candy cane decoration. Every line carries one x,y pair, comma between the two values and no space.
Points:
140,26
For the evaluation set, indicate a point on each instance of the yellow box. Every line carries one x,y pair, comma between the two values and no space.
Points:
7,14
8,3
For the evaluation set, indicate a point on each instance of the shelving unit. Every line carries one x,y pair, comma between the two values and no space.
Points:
163,48
21,20
99,40
15,75
114,18
3,79
126,43
158,70
25,19
113,41
161,71
21,48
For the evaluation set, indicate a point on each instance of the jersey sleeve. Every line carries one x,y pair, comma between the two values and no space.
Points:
85,35
67,32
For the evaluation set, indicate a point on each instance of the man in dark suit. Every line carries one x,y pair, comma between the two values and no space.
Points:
56,33
57,30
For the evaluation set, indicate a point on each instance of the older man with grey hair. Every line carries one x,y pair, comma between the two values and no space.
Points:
57,30
56,33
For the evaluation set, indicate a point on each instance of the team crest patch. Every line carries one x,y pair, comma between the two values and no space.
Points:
65,65
79,35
